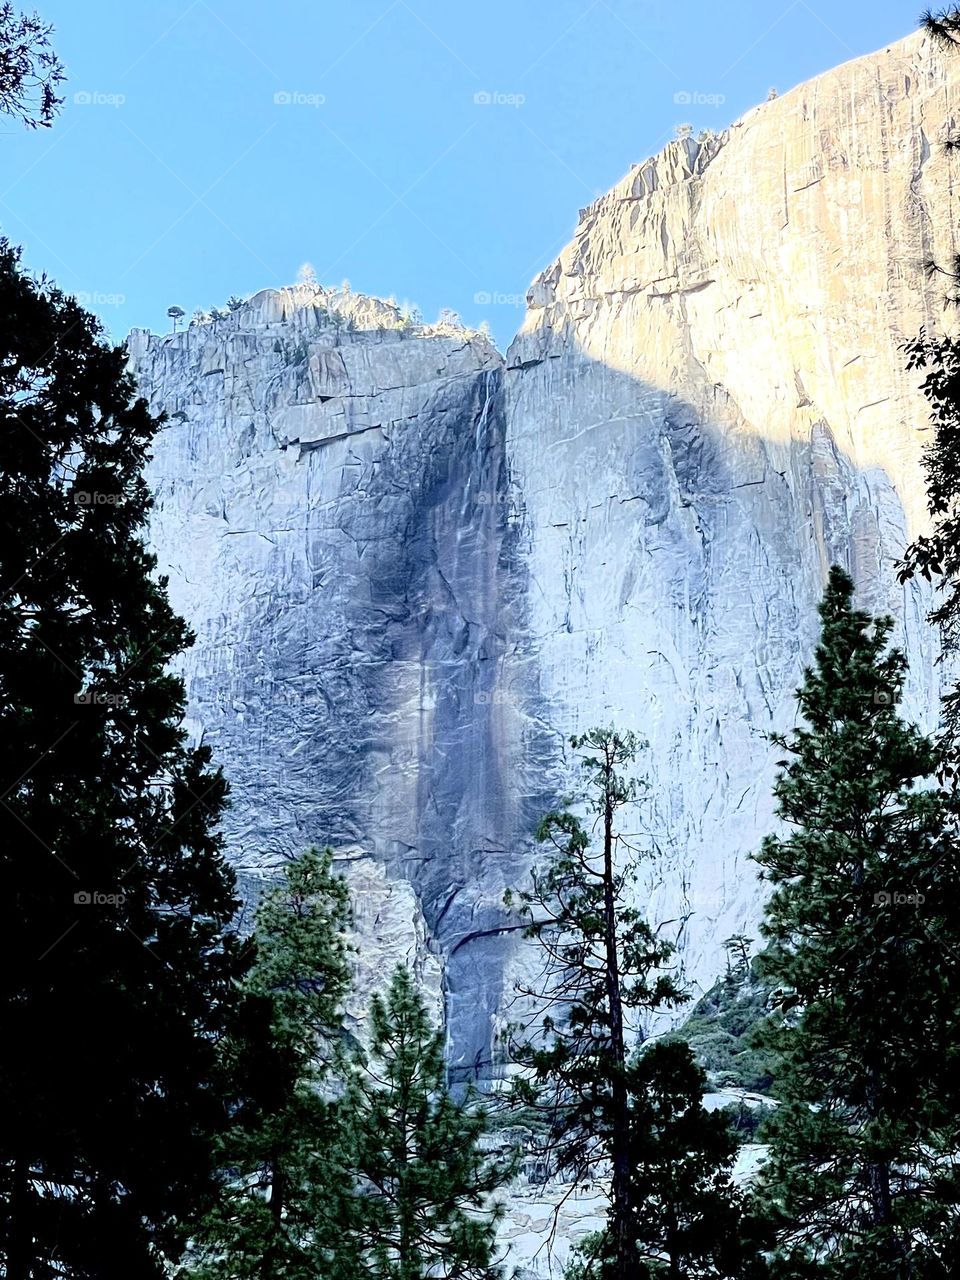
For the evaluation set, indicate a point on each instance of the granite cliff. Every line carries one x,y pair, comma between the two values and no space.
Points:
414,567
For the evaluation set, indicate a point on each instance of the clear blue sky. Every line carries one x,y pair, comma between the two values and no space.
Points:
177,177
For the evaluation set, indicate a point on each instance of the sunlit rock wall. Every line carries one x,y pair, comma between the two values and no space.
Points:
413,569
707,405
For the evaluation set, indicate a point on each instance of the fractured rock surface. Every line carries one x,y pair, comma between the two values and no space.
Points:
414,568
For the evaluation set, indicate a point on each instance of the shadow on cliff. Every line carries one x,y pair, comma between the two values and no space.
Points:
587,548
544,548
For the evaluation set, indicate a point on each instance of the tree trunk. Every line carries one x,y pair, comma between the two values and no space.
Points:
624,1245
271,1254
19,1261
878,1179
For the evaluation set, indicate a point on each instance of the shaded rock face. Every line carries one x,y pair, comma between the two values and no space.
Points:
706,406
326,509
414,569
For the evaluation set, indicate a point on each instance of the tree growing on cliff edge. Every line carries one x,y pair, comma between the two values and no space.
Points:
424,1200
863,946
280,1204
605,967
116,960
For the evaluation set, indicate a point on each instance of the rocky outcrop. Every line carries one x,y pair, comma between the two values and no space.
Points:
707,405
413,570
326,507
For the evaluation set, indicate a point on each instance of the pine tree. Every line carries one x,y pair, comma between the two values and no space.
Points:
687,1214
278,1209
424,1204
603,964
863,932
116,962
943,25
936,555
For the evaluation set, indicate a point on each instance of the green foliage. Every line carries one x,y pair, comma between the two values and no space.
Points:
721,1030
686,1210
280,1202
643,1119
600,958
937,554
744,1121
117,966
861,1177
424,1204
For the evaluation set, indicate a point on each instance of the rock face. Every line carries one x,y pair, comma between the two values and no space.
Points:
326,507
706,406
413,568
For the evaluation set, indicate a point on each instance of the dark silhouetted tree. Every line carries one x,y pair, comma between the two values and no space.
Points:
281,1204
603,965
30,71
936,556
117,966
863,948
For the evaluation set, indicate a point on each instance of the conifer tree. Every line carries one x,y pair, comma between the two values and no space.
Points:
863,933
277,1213
935,556
604,966
687,1214
117,963
424,1203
